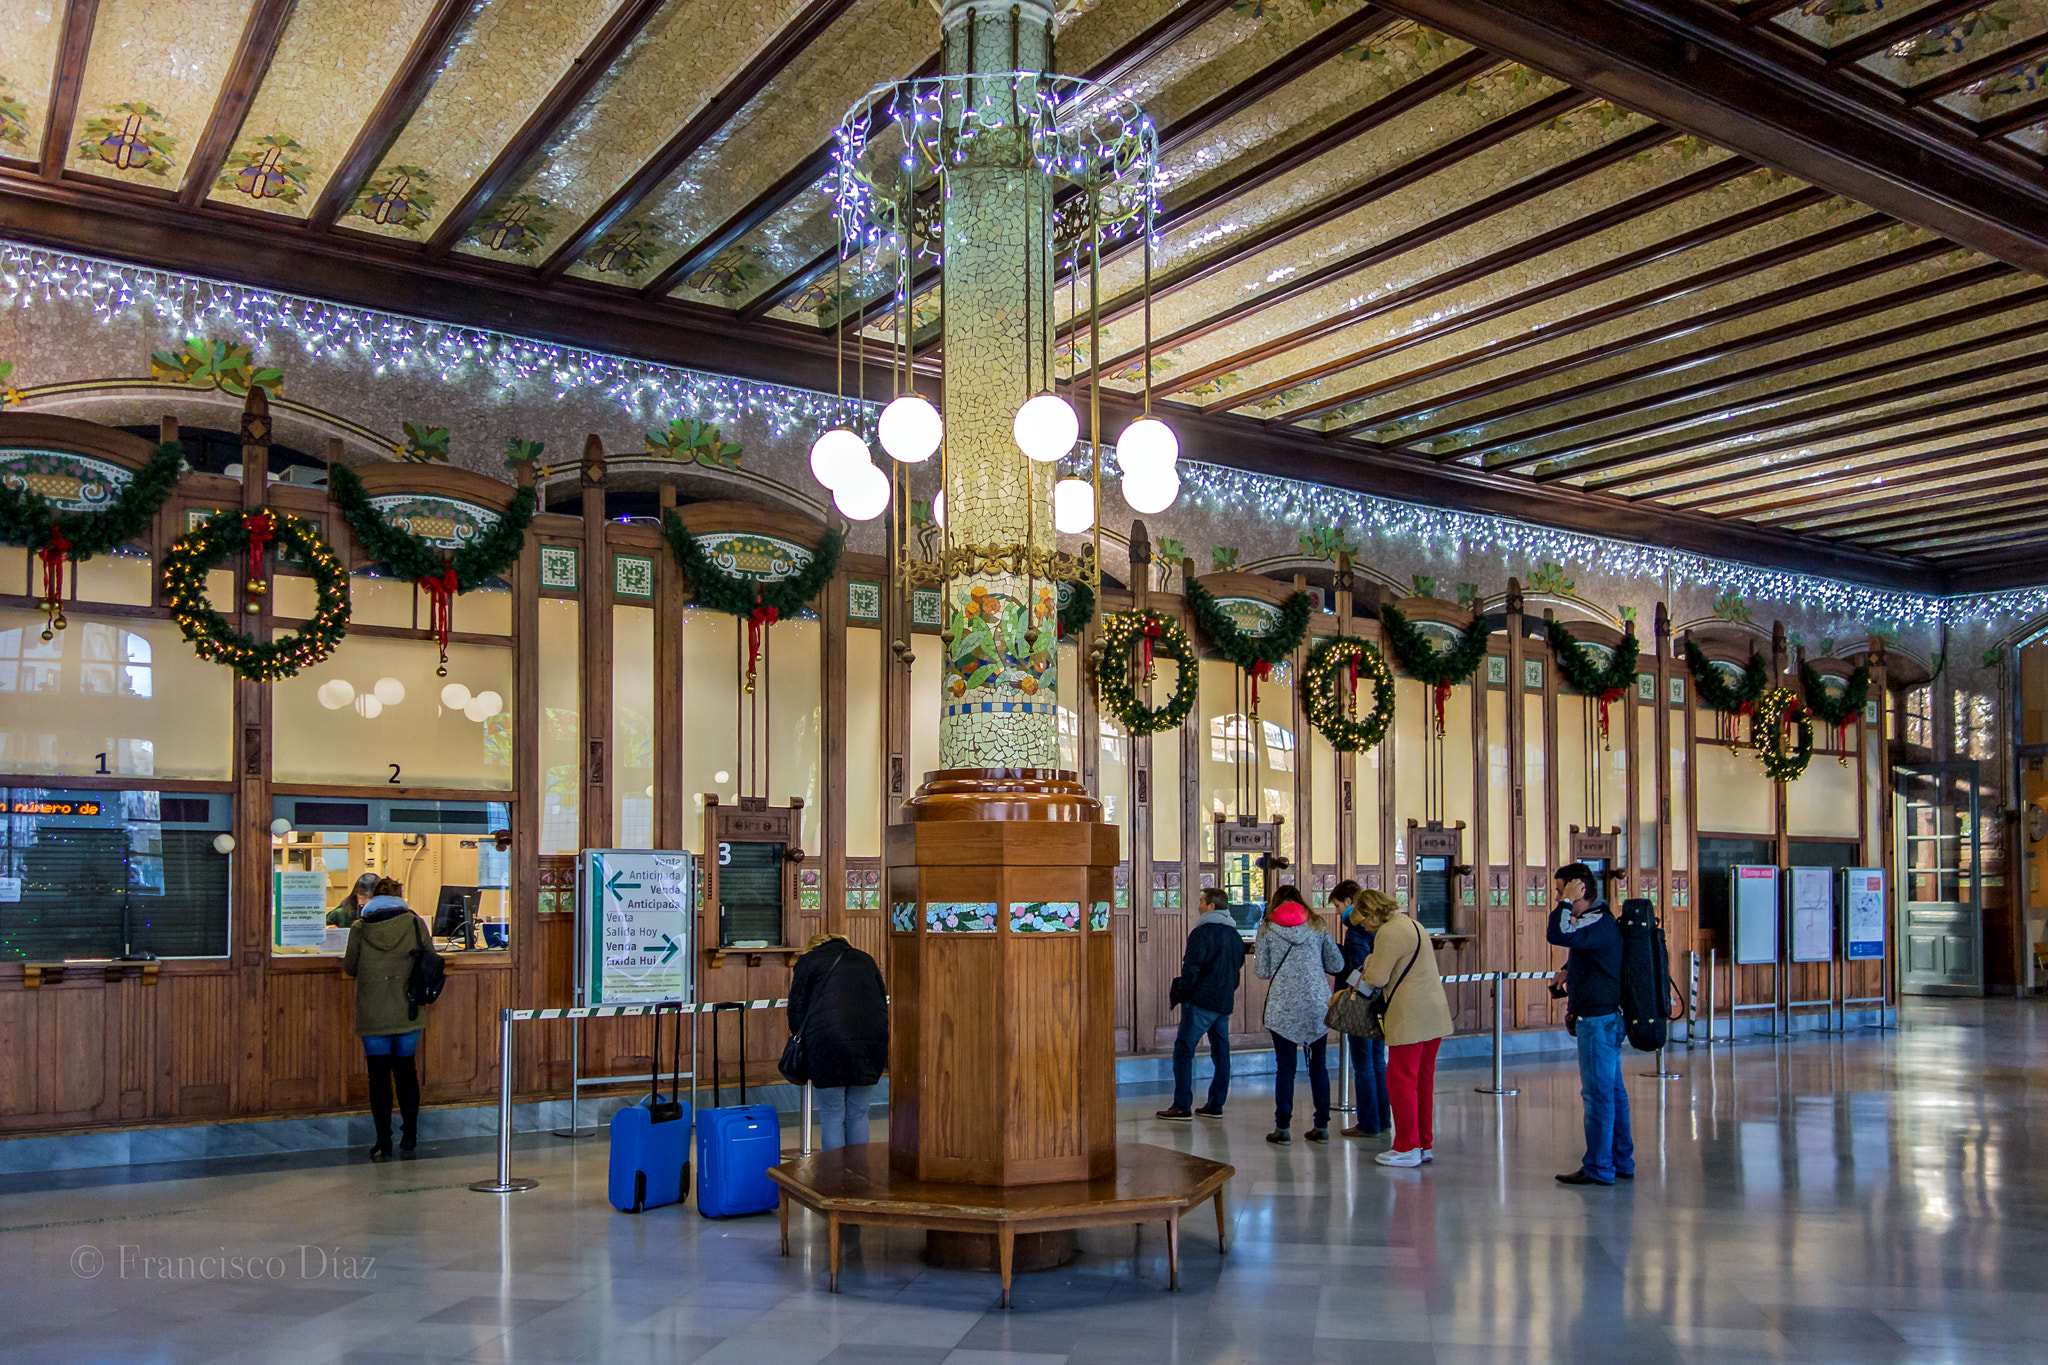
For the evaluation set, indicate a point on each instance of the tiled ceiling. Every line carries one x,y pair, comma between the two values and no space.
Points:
1377,238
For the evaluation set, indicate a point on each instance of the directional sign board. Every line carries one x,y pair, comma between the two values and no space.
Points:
636,910
1864,911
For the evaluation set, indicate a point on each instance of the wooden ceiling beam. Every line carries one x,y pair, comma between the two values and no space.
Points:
589,67
1749,16
2026,116
1968,74
1980,526
807,27
1814,286
74,45
1791,365
1620,265
1872,525
1380,253
251,64
1846,509
1707,466
400,101
1882,36
1976,545
1696,67
2024,566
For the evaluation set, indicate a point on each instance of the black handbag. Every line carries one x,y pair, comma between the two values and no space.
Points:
1352,1011
795,1066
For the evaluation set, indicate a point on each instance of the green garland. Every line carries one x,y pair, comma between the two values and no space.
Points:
1777,707
1425,662
26,518
410,557
1835,712
1121,633
1078,611
1716,692
224,535
1577,668
1273,648
1320,693
739,596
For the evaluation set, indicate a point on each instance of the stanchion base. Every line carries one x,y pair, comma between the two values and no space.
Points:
589,1132
1489,1090
513,1186
1665,1075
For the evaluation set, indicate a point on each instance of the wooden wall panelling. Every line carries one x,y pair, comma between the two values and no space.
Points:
542,966
71,1055
196,1042
1553,848
833,747
1660,889
672,805
1877,979
249,912
20,1022
595,812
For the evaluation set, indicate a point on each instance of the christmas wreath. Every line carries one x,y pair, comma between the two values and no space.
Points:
1257,655
28,519
1116,687
1329,692
1441,669
758,604
1605,685
1717,693
1837,713
1777,711
202,549
441,574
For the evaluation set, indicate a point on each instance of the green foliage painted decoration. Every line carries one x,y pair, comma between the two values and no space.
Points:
689,441
223,365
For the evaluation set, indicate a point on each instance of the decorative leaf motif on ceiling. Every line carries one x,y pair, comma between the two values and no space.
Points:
628,249
268,168
516,224
128,137
13,115
224,365
398,195
729,274
692,442
423,444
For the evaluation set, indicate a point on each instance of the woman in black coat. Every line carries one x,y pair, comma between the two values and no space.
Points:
838,1003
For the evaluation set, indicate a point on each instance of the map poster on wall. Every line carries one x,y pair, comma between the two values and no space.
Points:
1813,914
1756,913
1865,914
300,899
637,909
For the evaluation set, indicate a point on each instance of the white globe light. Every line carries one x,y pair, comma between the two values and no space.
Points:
1046,428
910,429
1073,506
475,711
1151,491
336,693
939,510
1147,444
368,707
223,843
836,456
390,691
863,495
454,696
490,701
721,777
280,827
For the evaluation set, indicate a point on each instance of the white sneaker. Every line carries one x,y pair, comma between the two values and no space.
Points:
1412,1157
1429,1154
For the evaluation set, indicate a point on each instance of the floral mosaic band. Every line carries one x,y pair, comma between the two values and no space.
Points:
903,917
1045,917
1098,917
960,917
1029,708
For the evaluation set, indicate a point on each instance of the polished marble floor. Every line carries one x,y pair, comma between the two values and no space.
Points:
1869,1198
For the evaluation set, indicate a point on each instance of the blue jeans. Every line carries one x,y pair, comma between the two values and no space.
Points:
1284,1050
392,1044
1610,1150
1194,1022
843,1115
1374,1108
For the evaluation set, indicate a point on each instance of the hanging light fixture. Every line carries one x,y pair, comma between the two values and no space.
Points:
455,696
390,691
1152,490
1046,428
1073,506
910,429
863,494
1147,444
838,455
336,693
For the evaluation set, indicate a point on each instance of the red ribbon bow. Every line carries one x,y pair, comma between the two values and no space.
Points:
52,554
1607,699
1260,672
1440,695
441,589
1153,630
262,530
762,615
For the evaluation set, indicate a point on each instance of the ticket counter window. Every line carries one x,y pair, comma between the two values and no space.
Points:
445,854
92,875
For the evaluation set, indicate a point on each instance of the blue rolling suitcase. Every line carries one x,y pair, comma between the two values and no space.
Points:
736,1146
650,1159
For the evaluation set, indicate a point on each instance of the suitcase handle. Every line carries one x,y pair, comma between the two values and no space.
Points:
675,1084
717,1010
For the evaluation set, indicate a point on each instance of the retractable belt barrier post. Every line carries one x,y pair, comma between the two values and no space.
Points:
1500,1021
504,1183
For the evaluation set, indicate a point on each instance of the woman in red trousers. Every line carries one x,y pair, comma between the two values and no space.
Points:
1402,968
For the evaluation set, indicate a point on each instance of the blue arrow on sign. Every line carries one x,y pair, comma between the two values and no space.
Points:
614,885
673,948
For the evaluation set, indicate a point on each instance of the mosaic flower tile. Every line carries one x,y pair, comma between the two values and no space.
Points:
510,53
33,33
1098,917
558,568
632,576
863,601
150,80
903,917
332,65
1045,917
960,917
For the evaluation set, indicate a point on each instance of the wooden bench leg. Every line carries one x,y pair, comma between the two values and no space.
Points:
785,1225
1006,1255
1222,1224
1173,1252
832,1237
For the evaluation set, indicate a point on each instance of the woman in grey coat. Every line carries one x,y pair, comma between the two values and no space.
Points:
1297,955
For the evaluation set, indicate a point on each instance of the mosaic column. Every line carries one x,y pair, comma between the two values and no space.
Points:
1002,667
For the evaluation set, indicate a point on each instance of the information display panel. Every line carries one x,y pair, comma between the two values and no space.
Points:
1813,914
636,910
1756,913
1863,914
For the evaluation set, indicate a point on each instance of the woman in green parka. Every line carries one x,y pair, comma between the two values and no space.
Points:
380,958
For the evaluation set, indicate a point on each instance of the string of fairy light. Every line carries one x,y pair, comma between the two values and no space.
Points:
385,342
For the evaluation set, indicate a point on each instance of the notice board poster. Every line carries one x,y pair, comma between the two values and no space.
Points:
1756,913
1864,914
638,909
300,899
1813,914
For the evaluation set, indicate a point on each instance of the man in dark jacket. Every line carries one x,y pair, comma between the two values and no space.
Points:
838,1002
1592,976
1206,991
